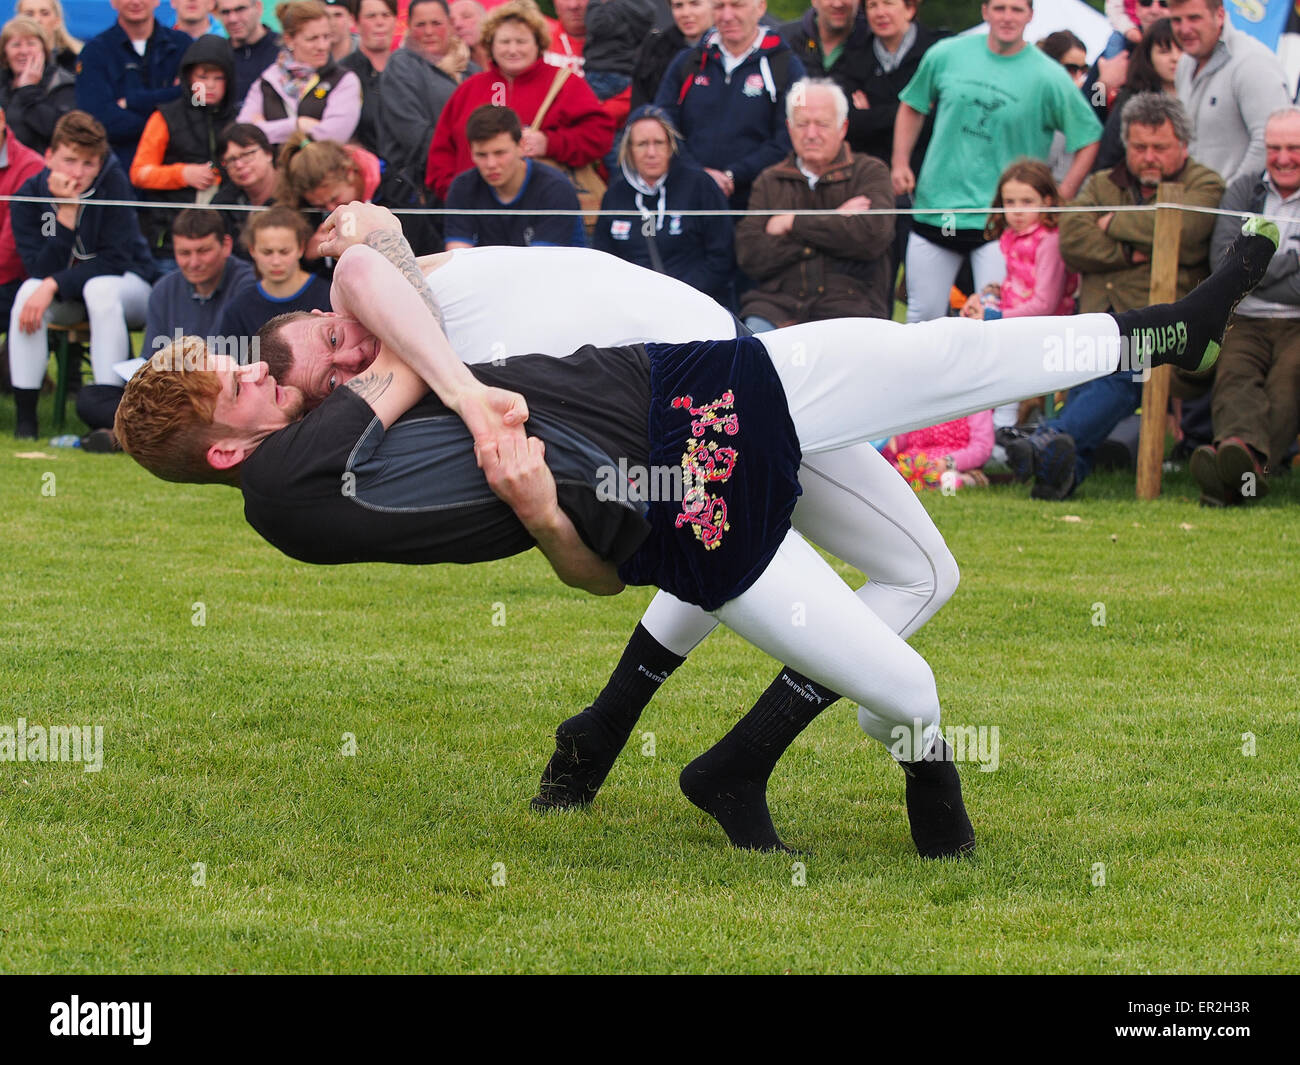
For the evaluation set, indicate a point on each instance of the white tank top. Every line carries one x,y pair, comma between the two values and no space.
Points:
499,302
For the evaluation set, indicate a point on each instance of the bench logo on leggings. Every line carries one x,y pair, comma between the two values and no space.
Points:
704,463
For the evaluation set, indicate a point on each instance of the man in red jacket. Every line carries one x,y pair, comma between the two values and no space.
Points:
17,164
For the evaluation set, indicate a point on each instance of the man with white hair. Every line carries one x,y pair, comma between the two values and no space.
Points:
814,267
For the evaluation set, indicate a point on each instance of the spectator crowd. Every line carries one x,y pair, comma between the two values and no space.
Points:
668,117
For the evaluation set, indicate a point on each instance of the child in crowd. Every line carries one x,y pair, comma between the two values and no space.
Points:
1123,17
178,152
276,240
1037,282
947,456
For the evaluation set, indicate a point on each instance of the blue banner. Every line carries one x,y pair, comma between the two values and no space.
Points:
1262,19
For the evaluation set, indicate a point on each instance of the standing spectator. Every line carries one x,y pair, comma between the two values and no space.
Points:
49,13
186,302
1230,83
276,239
34,90
994,100
814,267
615,30
343,38
467,21
575,130
727,97
1066,48
503,178
375,22
254,43
248,161
417,83
17,164
568,35
1152,67
832,41
305,91
95,265
178,153
194,17
1107,76
692,19
1256,397
654,181
128,71
1112,253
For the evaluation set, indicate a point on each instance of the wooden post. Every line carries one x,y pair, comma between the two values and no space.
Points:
1155,390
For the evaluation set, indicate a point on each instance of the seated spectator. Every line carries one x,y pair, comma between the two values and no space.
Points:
49,13
276,240
254,43
614,31
304,91
194,17
17,164
467,23
128,71
94,266
1256,396
692,19
343,24
574,132
1151,69
186,302
417,83
947,456
323,175
1112,254
814,267
34,90
177,157
726,96
504,178
654,181
375,22
246,157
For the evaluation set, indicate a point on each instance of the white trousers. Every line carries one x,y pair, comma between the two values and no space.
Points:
112,304
931,271
848,381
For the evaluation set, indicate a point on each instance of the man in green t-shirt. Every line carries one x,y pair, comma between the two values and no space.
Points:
994,100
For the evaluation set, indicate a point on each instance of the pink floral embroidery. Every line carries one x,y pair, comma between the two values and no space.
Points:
705,463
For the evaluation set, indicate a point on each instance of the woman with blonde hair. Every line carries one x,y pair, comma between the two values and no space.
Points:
35,91
304,91
49,13
573,130
318,176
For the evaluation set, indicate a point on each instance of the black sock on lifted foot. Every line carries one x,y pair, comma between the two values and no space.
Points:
729,780
587,744
940,827
1188,332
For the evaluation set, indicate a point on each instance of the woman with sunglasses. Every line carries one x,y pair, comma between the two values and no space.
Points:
1111,68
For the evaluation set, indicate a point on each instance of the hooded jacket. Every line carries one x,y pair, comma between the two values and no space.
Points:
30,112
732,122
106,240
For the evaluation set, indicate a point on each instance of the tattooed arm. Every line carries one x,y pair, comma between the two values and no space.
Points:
367,287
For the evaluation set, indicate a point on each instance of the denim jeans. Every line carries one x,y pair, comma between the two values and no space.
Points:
1092,410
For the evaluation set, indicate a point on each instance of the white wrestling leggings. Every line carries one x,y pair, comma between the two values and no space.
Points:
110,303
848,381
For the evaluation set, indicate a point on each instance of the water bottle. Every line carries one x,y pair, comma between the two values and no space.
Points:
66,440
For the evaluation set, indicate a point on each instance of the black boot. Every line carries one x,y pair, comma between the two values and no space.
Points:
940,827
25,427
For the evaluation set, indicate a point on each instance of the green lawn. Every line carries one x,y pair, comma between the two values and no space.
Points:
223,745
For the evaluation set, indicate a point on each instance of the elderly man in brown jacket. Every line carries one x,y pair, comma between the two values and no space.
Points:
814,267
1112,253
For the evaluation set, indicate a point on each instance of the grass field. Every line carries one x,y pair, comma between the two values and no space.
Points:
223,744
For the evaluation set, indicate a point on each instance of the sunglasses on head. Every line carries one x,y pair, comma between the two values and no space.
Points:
1148,3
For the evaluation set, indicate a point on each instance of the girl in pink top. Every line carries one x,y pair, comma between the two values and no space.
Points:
946,456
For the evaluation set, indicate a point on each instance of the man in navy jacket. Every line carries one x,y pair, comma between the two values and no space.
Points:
85,261
127,71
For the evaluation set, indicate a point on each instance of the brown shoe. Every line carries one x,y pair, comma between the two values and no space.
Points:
1241,470
1204,467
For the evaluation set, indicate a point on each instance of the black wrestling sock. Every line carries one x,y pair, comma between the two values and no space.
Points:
729,780
25,427
1188,332
587,743
935,811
